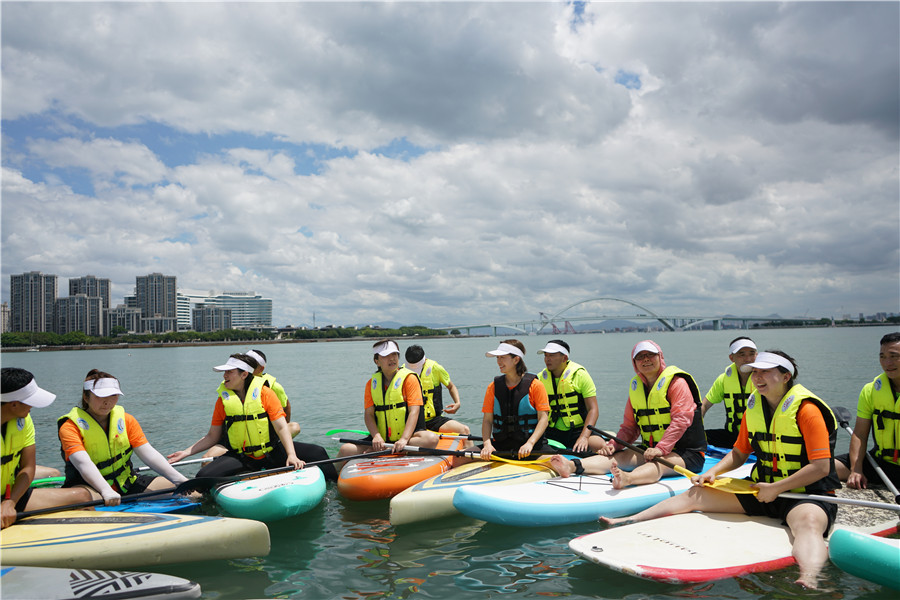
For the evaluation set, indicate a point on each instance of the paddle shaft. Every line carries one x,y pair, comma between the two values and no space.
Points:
469,453
77,505
843,416
677,468
836,500
180,463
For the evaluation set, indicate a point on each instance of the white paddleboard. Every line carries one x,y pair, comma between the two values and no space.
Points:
693,547
23,583
274,497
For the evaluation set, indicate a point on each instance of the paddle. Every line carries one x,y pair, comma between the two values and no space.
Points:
836,500
843,416
725,484
478,438
358,431
77,505
180,463
467,453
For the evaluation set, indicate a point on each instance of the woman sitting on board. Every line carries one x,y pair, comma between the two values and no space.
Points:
783,419
249,418
663,409
97,440
516,409
20,393
393,406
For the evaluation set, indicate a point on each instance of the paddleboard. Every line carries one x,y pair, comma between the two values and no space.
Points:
121,540
867,556
567,500
694,547
386,476
274,497
46,583
434,497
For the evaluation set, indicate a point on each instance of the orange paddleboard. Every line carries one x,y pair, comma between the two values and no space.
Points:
384,477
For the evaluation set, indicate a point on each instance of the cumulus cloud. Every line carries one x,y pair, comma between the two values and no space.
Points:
459,162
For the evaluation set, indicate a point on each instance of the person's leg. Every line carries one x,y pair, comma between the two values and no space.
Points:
424,438
50,497
222,466
452,426
808,523
217,450
596,465
294,428
696,498
42,472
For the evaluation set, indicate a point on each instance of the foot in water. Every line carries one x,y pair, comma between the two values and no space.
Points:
561,465
610,522
621,479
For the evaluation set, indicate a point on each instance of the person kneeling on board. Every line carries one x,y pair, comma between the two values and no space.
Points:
663,408
20,393
249,417
782,419
97,440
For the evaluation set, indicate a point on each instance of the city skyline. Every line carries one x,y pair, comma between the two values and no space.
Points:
458,162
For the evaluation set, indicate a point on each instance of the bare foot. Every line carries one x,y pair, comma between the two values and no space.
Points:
621,479
561,465
609,522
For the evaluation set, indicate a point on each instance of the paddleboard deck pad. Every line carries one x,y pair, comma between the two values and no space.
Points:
117,540
274,497
693,547
568,500
22,583
384,477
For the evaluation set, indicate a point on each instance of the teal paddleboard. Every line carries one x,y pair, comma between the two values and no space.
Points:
867,556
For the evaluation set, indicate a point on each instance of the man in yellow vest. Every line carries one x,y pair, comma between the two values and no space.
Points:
432,376
20,393
878,411
731,389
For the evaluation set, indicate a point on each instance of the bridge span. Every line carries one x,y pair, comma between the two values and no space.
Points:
670,322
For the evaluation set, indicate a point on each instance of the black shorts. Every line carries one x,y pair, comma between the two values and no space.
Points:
780,507
140,485
23,501
693,460
436,423
890,469
567,438
721,438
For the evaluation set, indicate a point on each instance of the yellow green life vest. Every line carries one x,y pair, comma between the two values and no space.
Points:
390,407
779,444
276,387
653,412
15,436
109,450
567,407
735,398
885,419
246,423
432,392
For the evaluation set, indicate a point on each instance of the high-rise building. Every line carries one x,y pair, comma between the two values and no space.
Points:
4,317
209,317
32,300
249,310
123,319
155,295
91,286
79,313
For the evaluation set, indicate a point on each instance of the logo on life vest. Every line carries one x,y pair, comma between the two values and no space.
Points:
256,393
877,384
633,384
398,383
373,383
662,381
751,402
83,424
20,423
121,425
225,395
787,403
728,372
566,374
428,372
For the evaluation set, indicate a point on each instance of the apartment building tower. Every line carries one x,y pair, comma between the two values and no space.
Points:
32,301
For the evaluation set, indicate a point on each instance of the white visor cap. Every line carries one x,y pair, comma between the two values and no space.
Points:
31,394
257,357
644,347
504,349
386,349
741,343
104,388
768,360
552,348
233,363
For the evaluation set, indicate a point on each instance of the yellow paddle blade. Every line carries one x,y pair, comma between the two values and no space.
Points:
724,484
541,460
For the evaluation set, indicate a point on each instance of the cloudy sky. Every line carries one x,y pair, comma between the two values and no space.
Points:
459,162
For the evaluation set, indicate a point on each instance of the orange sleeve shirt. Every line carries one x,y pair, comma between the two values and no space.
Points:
270,402
72,441
812,428
412,393
537,396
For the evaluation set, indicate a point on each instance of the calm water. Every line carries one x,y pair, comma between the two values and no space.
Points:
345,549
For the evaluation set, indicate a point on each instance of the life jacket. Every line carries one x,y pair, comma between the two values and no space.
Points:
432,391
779,444
653,412
246,423
109,450
390,408
567,407
15,435
514,416
735,398
885,419
269,381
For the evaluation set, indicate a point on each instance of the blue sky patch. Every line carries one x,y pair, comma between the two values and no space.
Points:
630,80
